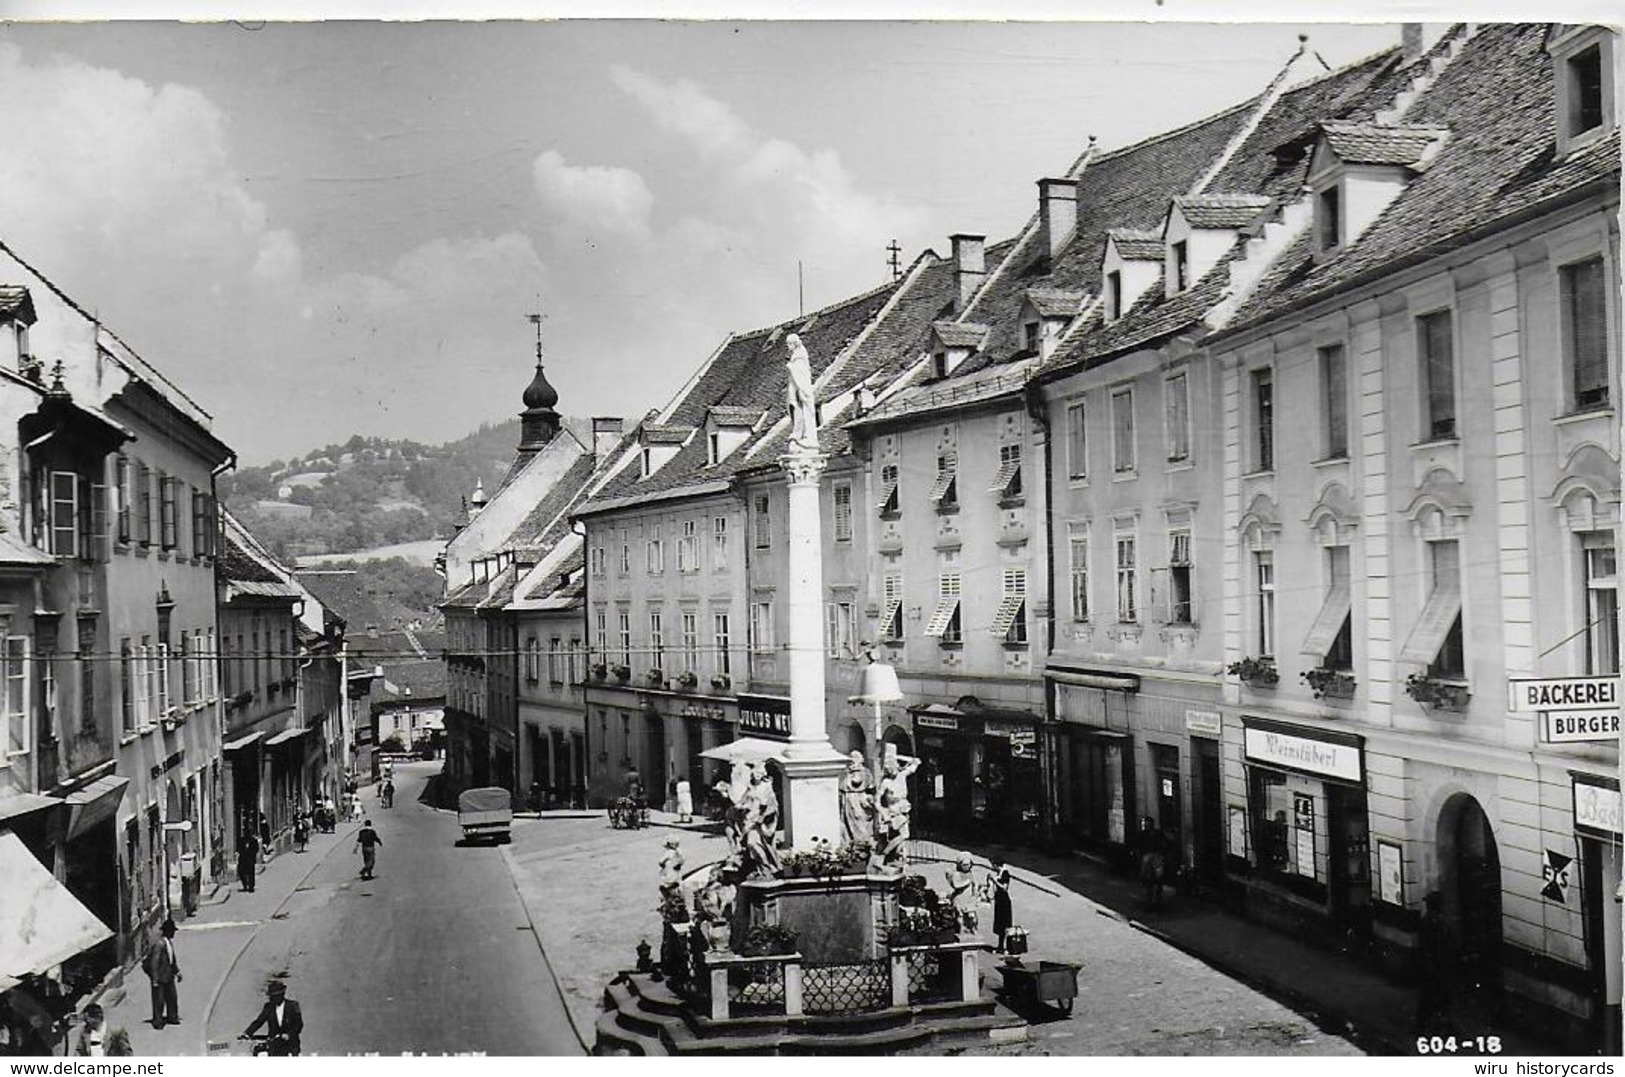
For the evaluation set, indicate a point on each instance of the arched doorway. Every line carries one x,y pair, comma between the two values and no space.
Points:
1470,886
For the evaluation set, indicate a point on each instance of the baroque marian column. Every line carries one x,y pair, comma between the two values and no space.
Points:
812,767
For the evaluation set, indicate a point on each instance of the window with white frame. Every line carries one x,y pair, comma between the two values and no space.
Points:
1128,587
1436,641
532,659
1438,375
841,496
19,716
761,625
623,624
600,632
719,543
657,640
764,521
891,612
126,685
164,707
840,629
720,644
1123,429
945,490
1585,104
1078,551
689,630
945,623
1177,416
1011,619
1077,442
1334,407
888,499
1181,595
1329,219
688,548
1331,636
656,551
1264,596
626,554
1601,603
1585,332
1263,382
168,489
1182,266
573,659
598,562
123,490
1007,481
555,660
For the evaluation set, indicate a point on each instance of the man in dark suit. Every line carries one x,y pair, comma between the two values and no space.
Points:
163,969
281,1019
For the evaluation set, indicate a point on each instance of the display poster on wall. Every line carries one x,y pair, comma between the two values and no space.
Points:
1303,811
1390,880
1116,816
1238,830
1306,853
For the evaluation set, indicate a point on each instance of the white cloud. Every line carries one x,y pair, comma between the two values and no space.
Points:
593,196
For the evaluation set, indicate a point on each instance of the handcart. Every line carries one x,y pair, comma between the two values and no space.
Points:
1043,982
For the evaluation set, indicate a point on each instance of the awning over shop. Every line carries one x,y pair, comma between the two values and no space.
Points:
1105,680
747,750
18,804
241,742
94,803
44,924
285,736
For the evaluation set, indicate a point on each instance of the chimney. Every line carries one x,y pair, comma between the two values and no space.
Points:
606,434
1410,40
1057,213
970,266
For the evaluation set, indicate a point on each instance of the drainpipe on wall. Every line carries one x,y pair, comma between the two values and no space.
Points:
1046,762
586,666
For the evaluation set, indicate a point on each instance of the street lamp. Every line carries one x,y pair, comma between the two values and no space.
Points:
877,684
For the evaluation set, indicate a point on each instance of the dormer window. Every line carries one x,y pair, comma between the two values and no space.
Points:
1029,337
1182,266
648,463
1585,91
1114,295
714,444
1329,219
939,364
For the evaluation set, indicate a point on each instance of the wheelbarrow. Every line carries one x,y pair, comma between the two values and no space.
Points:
1043,983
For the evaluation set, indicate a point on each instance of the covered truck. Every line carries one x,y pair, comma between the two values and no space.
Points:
485,814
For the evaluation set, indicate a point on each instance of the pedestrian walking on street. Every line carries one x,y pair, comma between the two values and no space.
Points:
96,1039
265,836
248,855
368,841
1153,861
999,884
163,969
282,1020
685,801
389,793
301,832
1435,965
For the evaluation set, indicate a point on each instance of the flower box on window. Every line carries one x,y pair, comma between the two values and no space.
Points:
657,677
687,679
1255,672
721,682
599,671
1431,691
1333,683
622,673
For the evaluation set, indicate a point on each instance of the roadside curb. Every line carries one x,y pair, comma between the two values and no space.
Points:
547,962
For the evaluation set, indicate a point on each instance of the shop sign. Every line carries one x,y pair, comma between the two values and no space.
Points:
1596,807
1007,730
1205,723
1023,736
768,716
173,760
702,710
936,721
1554,872
1304,753
1564,693
1564,727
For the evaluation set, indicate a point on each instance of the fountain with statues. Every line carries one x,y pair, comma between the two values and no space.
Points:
810,936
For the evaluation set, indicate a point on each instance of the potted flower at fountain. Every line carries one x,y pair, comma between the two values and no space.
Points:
944,924
1255,672
1324,682
766,940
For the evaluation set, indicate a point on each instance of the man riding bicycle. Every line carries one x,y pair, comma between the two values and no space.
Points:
282,1020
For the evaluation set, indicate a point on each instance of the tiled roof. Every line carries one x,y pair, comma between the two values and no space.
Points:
1138,246
555,585
666,435
424,679
1500,161
1380,144
727,415
986,384
560,497
1055,302
16,303
960,334
1221,210
235,564
501,590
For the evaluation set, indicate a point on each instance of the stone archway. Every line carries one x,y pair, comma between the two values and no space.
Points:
1470,886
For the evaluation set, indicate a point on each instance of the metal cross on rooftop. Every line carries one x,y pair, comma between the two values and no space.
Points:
893,261
537,319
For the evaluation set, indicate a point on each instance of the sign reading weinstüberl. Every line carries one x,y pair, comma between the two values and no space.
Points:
1564,693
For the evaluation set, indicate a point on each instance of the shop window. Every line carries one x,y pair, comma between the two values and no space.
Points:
1331,636
1436,641
1602,603
1284,812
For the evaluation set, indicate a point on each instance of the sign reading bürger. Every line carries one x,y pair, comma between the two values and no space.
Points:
1564,693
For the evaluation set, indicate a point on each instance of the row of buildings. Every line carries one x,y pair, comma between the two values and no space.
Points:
1226,498
168,685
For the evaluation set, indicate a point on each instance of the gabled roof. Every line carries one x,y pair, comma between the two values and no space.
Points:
959,334
1055,302
729,415
666,435
1221,210
1381,143
1500,162
1135,245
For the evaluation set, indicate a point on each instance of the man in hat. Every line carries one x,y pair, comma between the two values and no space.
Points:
163,969
281,1019
96,1039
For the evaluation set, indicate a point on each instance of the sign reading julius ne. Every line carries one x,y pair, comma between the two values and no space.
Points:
767,716
1302,753
1564,693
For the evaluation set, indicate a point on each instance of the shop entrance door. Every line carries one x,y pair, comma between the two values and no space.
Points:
1470,884
942,786
1207,810
1170,817
1350,857
1600,871
654,776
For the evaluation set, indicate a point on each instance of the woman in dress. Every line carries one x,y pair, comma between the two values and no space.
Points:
999,884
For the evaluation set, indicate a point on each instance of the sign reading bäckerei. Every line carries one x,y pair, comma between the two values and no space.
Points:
1564,693
1303,753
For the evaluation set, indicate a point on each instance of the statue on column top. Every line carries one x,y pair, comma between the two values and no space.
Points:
799,395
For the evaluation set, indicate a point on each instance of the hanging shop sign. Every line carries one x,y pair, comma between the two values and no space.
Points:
1563,693
1204,723
767,716
1567,727
1596,806
1554,871
1296,748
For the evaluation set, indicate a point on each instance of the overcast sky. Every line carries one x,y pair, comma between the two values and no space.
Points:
335,228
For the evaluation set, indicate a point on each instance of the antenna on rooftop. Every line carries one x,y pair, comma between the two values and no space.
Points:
896,266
